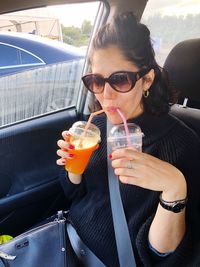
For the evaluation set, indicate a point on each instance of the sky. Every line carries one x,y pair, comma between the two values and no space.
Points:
75,14
173,7
86,11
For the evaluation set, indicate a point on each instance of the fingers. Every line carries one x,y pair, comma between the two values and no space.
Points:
126,153
141,169
65,145
66,149
138,157
133,167
65,154
61,162
66,136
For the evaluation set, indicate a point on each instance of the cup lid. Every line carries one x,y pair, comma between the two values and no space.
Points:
79,126
118,131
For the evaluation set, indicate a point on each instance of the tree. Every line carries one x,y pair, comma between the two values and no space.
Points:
71,35
77,36
86,28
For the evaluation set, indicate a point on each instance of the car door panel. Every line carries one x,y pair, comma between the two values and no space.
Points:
29,185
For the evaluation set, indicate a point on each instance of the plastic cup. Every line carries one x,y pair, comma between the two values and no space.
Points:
85,143
118,139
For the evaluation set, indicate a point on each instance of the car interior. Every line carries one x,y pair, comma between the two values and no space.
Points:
29,177
185,76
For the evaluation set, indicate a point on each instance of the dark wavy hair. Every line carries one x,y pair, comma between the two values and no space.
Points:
133,39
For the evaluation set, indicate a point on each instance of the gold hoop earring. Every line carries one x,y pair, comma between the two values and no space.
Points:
146,93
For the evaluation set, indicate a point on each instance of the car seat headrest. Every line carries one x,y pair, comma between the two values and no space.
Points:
183,66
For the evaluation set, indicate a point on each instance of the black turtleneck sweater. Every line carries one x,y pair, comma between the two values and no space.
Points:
166,138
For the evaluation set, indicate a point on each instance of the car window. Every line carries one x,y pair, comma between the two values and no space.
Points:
26,58
12,56
171,22
9,55
26,93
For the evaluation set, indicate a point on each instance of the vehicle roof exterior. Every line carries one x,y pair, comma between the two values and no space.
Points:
44,48
23,51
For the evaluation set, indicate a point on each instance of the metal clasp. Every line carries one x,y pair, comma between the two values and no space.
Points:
6,256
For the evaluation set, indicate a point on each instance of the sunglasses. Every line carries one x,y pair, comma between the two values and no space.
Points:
120,81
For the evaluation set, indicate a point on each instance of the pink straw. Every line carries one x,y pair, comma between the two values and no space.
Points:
125,127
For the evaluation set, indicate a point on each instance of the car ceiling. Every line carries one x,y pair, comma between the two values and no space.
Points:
115,5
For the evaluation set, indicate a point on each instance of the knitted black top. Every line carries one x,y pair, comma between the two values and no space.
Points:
164,137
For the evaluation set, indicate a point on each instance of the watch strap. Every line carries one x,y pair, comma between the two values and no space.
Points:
174,206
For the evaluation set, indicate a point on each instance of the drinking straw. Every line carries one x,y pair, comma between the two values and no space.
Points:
90,119
88,125
125,127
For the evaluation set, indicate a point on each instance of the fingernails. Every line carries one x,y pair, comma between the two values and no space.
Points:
71,146
110,156
64,161
71,155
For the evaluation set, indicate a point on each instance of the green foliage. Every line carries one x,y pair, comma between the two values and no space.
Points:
86,27
77,36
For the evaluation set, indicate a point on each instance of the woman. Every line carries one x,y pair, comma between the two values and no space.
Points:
125,75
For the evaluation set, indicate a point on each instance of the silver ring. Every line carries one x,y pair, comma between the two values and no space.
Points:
130,164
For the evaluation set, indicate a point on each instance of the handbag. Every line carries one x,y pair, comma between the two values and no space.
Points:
52,243
41,246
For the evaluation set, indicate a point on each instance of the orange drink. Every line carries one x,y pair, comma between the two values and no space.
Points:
85,143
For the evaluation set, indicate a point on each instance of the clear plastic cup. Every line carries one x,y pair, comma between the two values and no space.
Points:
85,143
118,139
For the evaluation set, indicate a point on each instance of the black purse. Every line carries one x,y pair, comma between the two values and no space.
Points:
52,243
41,246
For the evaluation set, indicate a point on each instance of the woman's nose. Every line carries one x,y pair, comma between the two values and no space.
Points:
108,91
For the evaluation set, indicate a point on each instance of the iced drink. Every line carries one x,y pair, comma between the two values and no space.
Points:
119,138
85,143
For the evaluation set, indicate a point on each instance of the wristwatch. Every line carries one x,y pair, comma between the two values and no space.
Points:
174,206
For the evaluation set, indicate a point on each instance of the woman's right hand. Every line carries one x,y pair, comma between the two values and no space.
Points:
65,152
65,149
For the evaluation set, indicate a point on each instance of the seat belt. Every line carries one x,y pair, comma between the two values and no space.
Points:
122,237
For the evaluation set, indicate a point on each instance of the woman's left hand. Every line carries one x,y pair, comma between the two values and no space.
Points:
141,169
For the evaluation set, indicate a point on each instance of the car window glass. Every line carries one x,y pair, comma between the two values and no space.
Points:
171,22
37,90
8,55
27,58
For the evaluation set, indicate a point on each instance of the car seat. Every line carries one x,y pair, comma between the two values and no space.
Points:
183,67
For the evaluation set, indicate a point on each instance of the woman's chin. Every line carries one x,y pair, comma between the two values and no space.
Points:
114,118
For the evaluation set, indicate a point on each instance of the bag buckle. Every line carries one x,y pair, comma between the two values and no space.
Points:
6,256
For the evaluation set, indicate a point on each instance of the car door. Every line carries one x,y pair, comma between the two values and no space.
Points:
35,107
29,185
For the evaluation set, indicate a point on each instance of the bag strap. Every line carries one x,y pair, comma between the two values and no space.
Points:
3,263
84,254
123,241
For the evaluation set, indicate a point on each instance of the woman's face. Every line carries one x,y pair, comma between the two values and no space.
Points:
105,62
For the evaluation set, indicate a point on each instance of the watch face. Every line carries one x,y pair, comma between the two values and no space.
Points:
177,207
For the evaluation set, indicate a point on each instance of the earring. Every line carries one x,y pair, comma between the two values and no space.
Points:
146,93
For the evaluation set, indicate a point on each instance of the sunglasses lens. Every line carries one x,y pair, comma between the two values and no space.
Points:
94,83
121,82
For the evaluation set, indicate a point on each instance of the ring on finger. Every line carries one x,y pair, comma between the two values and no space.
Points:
130,164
